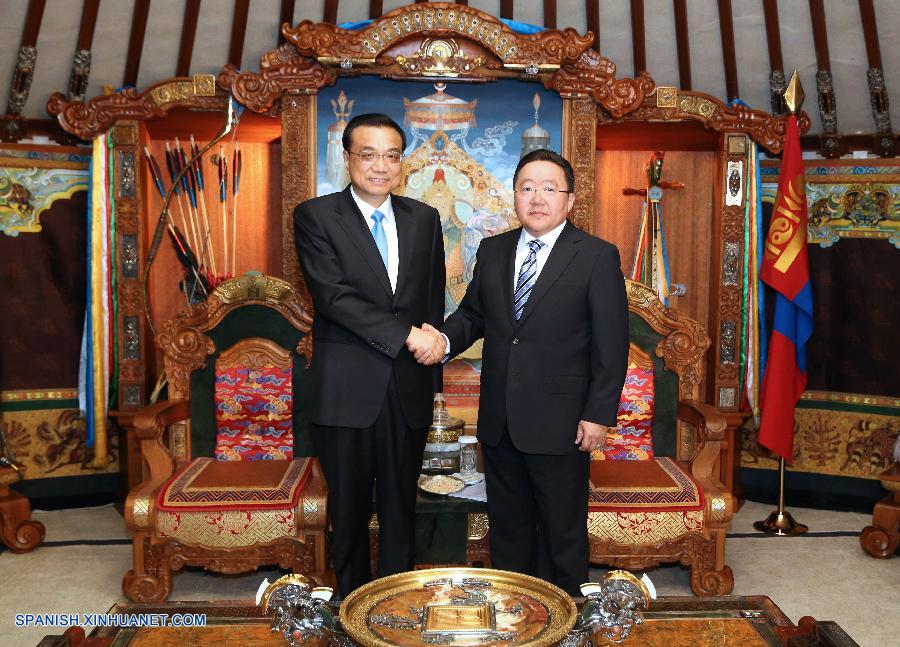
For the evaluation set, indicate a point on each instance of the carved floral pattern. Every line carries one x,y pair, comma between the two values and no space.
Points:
89,119
594,76
279,70
548,48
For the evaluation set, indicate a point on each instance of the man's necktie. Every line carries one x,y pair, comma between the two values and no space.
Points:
380,237
526,278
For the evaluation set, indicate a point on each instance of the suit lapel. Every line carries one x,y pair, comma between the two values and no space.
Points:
560,256
508,257
406,236
350,219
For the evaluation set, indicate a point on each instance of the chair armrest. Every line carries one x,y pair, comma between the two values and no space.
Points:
149,426
710,423
151,421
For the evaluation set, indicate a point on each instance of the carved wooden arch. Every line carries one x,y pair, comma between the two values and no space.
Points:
547,49
671,104
87,119
183,340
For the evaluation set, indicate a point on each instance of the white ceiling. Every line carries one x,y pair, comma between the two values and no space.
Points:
59,31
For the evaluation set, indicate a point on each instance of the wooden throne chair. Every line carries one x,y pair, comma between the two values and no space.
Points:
655,492
231,483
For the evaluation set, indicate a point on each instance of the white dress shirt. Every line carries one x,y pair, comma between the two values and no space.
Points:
390,231
522,249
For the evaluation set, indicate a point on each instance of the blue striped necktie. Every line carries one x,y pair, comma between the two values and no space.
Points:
379,236
527,274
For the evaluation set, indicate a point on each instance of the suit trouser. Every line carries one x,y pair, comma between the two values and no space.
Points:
389,455
538,506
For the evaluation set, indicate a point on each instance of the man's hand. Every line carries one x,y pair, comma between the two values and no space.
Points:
427,346
590,435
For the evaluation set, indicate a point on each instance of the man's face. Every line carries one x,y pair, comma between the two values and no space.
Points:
373,181
538,210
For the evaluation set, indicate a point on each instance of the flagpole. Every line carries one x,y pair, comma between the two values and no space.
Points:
780,522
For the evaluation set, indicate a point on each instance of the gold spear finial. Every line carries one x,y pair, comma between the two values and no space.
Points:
793,96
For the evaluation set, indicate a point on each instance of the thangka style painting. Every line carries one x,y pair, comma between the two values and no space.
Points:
463,144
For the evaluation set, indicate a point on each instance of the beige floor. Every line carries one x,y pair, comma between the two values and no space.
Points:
829,578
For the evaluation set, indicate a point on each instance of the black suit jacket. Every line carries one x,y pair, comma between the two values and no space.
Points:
360,327
565,359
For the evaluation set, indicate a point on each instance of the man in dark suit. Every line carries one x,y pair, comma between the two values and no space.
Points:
374,265
549,301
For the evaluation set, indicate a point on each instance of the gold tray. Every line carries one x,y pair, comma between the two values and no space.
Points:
540,614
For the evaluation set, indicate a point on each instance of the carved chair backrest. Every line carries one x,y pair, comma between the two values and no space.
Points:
252,319
672,346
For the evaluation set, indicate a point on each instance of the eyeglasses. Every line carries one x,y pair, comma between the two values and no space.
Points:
547,191
369,157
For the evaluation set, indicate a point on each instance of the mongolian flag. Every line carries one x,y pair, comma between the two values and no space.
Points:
785,268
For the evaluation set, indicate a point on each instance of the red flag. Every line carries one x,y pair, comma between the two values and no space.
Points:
785,267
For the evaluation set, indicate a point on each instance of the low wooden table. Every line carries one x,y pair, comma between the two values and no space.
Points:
671,622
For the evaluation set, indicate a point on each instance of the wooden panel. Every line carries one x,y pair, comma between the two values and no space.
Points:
258,220
687,216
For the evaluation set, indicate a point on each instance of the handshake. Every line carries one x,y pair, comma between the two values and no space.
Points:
427,344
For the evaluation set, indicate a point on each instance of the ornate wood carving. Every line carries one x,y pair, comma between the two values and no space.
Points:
183,341
765,129
544,50
254,353
132,343
297,163
280,70
684,342
17,530
151,579
579,135
595,76
692,550
88,119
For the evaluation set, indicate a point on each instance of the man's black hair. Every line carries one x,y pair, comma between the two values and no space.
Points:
544,155
374,119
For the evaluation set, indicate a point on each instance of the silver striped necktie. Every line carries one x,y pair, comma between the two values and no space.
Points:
527,274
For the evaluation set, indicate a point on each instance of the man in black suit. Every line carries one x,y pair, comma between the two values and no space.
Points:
549,301
374,265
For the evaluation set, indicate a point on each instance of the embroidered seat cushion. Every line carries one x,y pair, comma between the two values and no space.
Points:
643,502
220,503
